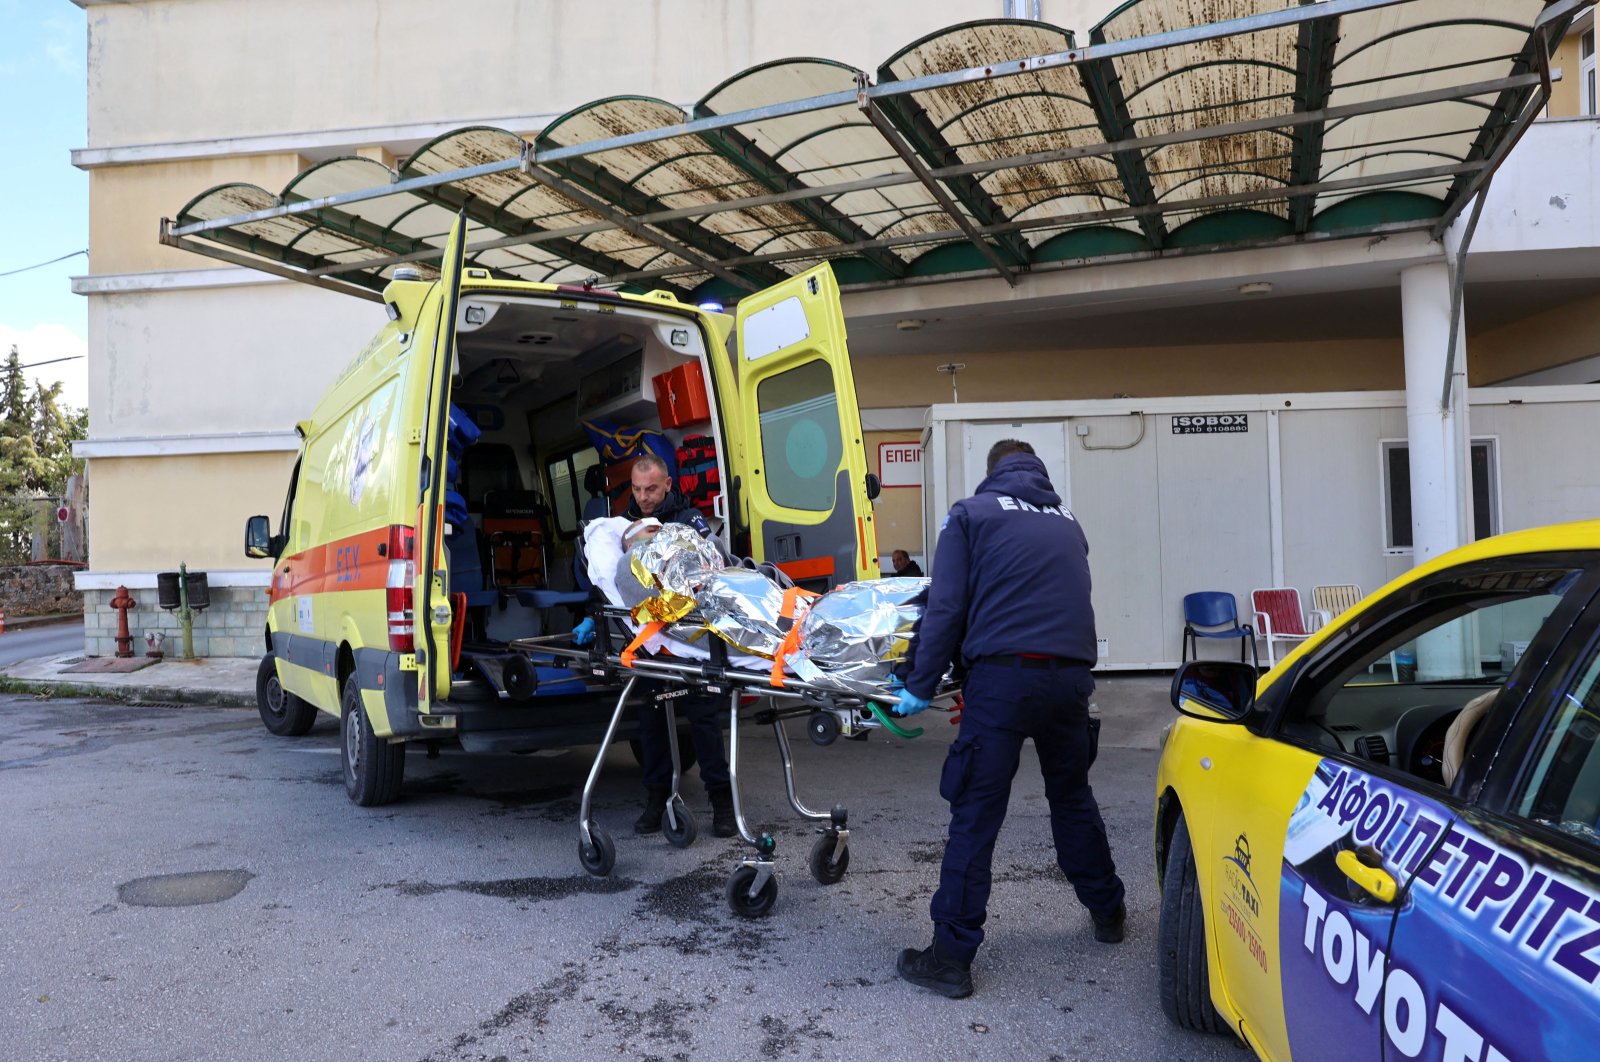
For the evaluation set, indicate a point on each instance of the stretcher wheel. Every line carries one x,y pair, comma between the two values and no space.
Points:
824,868
683,835
599,854
741,903
823,728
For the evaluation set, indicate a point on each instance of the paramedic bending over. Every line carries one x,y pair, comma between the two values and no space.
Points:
1011,595
653,496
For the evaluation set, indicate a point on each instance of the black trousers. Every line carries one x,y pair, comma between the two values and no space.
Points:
1006,705
704,713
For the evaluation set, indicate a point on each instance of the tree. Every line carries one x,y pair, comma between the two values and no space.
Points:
36,436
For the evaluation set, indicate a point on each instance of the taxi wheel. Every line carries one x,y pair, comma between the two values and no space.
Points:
282,712
372,766
1184,980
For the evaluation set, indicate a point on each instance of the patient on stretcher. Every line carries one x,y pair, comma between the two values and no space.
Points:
850,638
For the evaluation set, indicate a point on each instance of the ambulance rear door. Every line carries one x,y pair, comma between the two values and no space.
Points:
432,614
800,466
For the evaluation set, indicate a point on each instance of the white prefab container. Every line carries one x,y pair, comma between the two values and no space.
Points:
1241,492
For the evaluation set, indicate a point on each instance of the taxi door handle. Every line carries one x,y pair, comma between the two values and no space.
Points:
1374,880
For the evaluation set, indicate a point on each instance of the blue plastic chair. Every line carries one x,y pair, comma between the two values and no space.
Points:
1215,614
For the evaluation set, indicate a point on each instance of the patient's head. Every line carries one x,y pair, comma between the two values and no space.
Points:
651,483
640,530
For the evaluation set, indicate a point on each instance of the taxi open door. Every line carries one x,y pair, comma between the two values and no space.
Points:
802,470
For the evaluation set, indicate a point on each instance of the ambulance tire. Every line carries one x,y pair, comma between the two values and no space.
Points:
282,713
372,766
1183,977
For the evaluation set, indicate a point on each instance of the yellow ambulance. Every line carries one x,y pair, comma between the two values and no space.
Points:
404,557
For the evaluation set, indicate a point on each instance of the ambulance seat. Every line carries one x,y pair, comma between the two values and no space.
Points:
598,507
575,600
514,522
465,554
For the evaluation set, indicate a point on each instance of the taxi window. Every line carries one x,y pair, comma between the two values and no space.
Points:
1390,696
1563,789
800,438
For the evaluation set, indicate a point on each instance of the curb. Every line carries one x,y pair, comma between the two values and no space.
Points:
19,623
131,695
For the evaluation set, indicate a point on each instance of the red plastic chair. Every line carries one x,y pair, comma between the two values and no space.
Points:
1279,618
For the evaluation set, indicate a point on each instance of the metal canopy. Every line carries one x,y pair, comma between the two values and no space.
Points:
999,146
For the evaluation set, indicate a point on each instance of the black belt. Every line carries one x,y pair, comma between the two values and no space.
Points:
1044,662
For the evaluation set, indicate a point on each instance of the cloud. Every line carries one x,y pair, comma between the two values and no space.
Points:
46,342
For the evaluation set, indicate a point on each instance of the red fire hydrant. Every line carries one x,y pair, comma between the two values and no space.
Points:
122,603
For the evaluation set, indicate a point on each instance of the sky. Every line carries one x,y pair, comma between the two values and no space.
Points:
44,199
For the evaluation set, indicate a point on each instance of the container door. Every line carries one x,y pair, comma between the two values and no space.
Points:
432,615
801,466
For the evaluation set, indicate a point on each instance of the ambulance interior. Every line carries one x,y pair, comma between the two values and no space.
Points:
529,373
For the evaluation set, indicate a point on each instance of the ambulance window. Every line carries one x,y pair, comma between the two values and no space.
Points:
567,496
800,438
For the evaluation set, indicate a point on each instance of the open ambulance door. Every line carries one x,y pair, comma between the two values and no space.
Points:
802,471
432,614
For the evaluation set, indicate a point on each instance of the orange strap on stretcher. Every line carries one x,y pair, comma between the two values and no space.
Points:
791,640
646,632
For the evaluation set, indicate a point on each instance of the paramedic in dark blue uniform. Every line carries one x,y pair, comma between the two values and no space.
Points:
1010,600
653,496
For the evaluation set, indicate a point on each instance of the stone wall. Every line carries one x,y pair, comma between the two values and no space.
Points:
38,590
234,625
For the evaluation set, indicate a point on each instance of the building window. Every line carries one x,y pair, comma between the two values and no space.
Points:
1397,493
1590,101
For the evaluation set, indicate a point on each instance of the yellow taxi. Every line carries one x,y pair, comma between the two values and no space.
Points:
1387,846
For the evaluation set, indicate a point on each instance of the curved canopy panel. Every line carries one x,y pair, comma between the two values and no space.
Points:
997,146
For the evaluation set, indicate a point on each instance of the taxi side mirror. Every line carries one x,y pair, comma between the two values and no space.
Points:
1225,687
257,538
874,486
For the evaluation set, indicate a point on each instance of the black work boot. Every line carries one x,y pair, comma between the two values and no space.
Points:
1108,927
723,823
931,968
655,806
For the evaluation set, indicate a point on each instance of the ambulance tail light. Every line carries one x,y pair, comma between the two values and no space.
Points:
398,592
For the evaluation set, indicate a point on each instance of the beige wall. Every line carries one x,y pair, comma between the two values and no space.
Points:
245,69
1199,370
898,511
1542,341
189,509
127,203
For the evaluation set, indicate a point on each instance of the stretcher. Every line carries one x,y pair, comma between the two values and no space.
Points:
752,694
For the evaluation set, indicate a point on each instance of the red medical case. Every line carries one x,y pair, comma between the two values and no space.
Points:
681,396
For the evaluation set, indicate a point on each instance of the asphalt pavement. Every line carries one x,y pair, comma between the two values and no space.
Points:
25,641
180,883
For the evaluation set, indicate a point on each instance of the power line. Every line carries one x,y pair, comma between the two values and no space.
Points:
41,265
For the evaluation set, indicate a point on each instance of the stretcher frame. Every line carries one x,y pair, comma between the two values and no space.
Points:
752,887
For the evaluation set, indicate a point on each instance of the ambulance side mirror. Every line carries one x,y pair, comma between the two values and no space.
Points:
874,486
1225,687
257,538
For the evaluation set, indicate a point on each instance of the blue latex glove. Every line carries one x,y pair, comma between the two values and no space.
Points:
583,633
910,703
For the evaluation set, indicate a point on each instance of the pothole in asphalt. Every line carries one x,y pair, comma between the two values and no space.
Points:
184,890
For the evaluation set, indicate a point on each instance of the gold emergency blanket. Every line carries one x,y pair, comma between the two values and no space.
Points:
674,562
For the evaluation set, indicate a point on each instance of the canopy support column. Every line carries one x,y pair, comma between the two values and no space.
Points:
1440,452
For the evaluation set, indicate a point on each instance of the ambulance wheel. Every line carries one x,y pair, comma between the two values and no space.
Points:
741,903
823,728
1183,980
826,869
683,835
282,712
372,766
598,854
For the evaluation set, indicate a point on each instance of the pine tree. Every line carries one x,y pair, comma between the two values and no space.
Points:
36,436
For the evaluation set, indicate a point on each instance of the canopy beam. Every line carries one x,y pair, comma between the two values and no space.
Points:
1313,84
